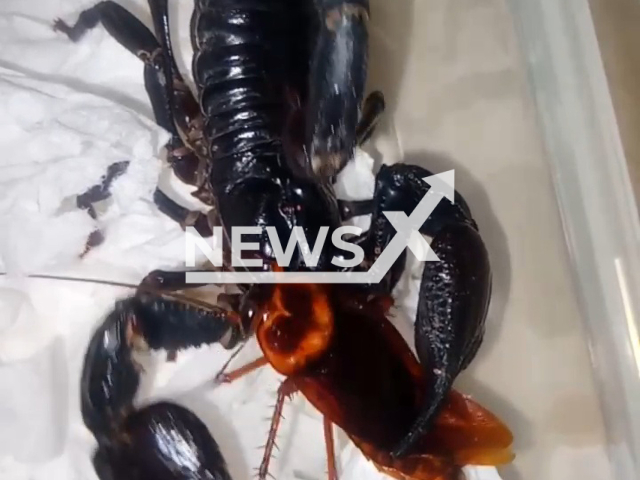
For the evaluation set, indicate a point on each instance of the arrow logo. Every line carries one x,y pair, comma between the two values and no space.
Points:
407,236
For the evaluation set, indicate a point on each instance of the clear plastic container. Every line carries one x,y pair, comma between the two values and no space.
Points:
514,97
596,201
509,93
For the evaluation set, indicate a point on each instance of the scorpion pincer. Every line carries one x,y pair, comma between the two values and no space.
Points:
164,441
276,115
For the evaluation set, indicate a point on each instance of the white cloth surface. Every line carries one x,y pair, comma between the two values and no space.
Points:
68,111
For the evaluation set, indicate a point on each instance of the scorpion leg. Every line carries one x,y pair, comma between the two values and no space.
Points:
131,34
181,103
454,291
337,85
185,111
203,223
160,16
355,208
125,28
176,113
372,110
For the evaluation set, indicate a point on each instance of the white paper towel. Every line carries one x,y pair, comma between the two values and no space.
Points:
67,112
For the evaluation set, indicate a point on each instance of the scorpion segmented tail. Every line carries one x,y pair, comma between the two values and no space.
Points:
245,63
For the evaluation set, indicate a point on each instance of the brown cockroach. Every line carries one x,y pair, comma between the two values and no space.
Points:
336,346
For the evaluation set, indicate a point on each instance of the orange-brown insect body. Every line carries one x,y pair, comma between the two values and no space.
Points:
296,328
351,363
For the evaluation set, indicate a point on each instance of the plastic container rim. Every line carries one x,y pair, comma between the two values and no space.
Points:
596,202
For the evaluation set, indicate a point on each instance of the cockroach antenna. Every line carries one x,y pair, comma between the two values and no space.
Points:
112,283
44,276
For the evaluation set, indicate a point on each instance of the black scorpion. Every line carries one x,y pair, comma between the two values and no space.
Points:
277,112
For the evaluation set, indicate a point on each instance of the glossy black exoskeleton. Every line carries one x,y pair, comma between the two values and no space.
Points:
163,440
275,115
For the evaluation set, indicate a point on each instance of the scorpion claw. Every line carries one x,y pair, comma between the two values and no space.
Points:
148,426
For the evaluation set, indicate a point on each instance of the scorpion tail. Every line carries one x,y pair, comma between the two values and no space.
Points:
454,291
449,328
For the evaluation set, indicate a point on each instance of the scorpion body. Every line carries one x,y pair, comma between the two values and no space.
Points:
244,63
276,114
250,68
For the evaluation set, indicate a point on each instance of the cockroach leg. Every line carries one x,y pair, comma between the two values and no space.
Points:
287,389
240,372
228,362
331,452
